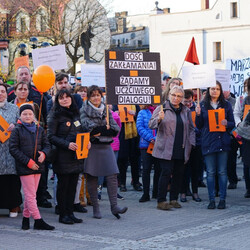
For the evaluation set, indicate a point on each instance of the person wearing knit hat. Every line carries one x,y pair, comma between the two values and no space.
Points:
29,158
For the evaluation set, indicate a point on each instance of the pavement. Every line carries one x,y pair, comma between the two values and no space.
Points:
142,227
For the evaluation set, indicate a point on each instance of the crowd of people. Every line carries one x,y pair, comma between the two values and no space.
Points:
172,140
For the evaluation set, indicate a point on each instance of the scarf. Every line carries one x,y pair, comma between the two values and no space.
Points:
30,126
2,104
99,109
130,127
151,109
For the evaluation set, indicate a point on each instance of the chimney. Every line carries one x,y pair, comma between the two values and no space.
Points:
204,4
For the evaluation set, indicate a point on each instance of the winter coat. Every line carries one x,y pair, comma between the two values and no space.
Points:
146,134
22,146
10,113
116,142
164,143
212,142
94,122
63,126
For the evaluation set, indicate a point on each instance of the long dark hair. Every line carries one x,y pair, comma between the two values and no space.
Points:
221,98
58,108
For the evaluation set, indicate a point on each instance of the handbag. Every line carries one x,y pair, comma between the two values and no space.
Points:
243,128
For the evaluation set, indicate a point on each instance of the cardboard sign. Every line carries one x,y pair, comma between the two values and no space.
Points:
21,61
193,114
150,148
235,134
133,78
82,141
93,74
54,56
198,76
223,76
246,110
4,134
215,117
123,113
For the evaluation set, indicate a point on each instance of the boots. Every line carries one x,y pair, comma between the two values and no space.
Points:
112,193
40,224
92,183
26,223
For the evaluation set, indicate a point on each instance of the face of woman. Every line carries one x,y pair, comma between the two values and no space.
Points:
27,116
215,92
65,101
175,99
83,94
3,94
22,92
96,98
174,83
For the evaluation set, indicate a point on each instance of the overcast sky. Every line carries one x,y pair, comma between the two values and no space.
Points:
145,6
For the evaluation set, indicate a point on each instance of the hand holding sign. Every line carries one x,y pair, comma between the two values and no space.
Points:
217,121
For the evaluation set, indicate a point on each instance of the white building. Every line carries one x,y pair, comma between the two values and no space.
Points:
221,32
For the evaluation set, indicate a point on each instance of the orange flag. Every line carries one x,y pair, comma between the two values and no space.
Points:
192,54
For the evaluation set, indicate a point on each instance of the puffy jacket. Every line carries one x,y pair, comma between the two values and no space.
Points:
22,146
116,143
212,142
63,127
146,134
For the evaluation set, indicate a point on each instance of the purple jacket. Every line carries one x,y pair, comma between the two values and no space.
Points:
116,144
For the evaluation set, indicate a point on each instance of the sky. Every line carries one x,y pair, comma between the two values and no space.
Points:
145,6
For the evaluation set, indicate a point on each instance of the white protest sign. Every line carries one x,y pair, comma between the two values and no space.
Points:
198,76
54,56
93,74
240,71
223,76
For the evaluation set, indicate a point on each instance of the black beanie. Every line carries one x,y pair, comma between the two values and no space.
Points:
25,106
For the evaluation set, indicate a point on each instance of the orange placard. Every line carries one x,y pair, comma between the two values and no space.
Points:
21,61
150,148
193,113
246,110
21,103
82,141
215,117
124,115
4,134
234,133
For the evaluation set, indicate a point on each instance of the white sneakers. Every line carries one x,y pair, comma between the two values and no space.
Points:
13,214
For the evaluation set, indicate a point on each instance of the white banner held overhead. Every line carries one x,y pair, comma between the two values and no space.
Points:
93,74
198,76
54,56
223,76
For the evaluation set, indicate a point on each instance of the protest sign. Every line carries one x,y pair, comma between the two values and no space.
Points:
223,76
215,116
240,71
246,110
133,77
21,61
54,56
124,114
4,134
193,115
82,141
150,148
93,74
198,76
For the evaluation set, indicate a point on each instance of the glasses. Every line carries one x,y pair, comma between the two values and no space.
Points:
188,102
177,96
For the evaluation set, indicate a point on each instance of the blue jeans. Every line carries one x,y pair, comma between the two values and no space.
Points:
216,163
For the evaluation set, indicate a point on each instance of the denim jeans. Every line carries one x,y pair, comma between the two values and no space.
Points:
216,163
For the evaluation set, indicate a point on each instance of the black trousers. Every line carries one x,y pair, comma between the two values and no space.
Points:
192,170
43,185
168,168
65,194
231,164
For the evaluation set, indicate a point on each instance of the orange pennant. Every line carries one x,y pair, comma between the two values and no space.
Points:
215,116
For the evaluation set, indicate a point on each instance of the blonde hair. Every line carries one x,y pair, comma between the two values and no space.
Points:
176,89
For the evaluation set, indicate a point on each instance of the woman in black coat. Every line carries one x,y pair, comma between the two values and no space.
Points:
63,126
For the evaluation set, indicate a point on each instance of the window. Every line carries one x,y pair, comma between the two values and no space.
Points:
23,24
217,51
43,23
234,10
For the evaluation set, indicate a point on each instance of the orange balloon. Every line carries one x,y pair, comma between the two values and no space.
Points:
44,78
